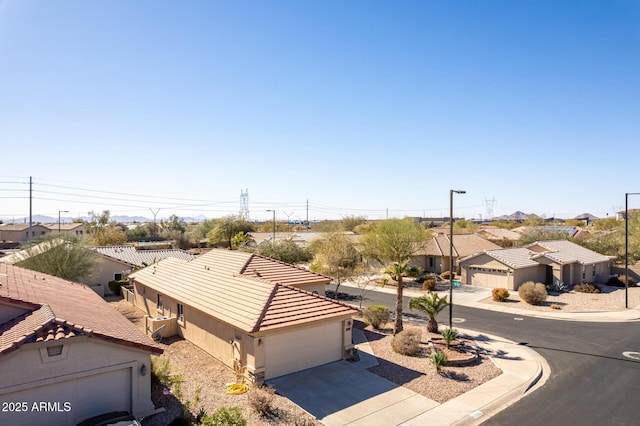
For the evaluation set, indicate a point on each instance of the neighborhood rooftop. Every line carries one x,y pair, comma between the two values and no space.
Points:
133,257
242,289
59,309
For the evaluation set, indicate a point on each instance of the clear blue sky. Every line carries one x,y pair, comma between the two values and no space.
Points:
356,106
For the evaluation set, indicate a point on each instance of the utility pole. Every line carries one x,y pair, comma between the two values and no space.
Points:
30,208
307,214
154,221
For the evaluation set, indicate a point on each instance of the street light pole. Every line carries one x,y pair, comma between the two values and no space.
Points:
274,224
60,211
626,247
451,253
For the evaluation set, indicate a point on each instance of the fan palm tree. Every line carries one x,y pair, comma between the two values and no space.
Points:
397,271
431,304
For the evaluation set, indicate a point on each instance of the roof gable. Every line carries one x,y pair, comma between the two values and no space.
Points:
61,309
214,284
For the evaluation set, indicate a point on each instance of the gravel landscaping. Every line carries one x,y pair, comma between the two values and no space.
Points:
610,299
418,374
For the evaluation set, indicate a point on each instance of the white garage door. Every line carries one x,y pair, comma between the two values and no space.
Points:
85,397
301,349
487,278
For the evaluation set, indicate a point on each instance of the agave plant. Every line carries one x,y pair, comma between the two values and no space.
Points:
431,304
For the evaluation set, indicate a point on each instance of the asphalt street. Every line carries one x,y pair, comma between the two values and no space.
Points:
591,381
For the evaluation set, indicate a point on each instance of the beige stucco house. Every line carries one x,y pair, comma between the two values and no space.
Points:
116,262
65,354
74,229
543,262
252,313
21,232
434,256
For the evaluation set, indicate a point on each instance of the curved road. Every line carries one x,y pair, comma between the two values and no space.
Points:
591,382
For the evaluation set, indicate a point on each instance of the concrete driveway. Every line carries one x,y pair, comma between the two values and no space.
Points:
341,393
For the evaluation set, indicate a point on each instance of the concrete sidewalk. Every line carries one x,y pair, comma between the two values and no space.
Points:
344,393
472,296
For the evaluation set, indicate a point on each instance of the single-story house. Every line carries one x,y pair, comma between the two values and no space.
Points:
65,354
116,262
74,229
250,312
500,236
21,232
434,256
542,261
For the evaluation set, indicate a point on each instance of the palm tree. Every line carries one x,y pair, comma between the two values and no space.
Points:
397,271
431,305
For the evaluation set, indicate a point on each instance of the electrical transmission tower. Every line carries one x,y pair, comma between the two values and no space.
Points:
489,204
244,204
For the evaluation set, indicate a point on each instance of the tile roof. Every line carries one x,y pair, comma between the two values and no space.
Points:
59,309
463,245
563,251
214,283
133,257
559,251
502,233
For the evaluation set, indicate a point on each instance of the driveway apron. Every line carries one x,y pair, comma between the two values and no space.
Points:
340,393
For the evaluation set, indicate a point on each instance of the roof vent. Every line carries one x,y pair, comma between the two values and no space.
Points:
54,350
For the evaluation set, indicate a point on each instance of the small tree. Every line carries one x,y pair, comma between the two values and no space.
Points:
431,304
336,256
285,251
392,243
227,227
65,258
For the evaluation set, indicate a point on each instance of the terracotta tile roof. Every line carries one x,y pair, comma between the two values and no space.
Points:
463,245
59,309
213,284
133,257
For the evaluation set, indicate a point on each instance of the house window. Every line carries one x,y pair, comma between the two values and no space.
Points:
159,303
583,275
180,313
117,277
593,272
430,262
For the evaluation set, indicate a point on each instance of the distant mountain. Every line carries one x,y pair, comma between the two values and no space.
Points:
586,216
123,219
518,215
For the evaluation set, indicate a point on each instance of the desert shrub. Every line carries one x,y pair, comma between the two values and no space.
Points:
447,274
160,370
407,342
429,284
533,293
618,281
449,335
298,418
262,400
438,359
224,416
114,286
586,288
500,294
376,315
